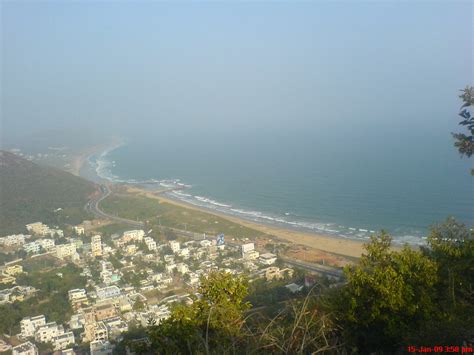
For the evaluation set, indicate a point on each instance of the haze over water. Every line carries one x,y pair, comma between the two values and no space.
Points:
329,115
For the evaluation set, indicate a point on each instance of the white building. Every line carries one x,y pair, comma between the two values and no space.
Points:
96,245
46,244
27,348
13,240
182,268
108,292
136,235
32,248
183,252
37,228
205,243
79,230
77,295
174,245
267,258
46,333
29,325
150,243
62,341
65,250
101,347
170,267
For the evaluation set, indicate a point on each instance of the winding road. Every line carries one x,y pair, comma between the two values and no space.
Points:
92,206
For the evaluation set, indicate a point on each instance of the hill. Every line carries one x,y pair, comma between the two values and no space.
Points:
30,192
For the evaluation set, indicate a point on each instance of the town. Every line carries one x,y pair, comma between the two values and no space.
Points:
129,279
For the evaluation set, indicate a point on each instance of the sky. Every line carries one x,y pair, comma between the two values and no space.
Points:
221,69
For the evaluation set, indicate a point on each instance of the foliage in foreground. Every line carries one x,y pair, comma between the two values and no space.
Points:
391,299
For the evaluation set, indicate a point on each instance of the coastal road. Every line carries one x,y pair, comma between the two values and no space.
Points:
92,206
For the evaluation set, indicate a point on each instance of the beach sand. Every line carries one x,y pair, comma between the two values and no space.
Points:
346,247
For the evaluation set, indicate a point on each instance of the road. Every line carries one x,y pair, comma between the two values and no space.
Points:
93,207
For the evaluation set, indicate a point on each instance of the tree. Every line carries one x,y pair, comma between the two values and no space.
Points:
451,246
388,296
465,143
213,321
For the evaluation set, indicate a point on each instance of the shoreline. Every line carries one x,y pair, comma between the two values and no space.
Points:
325,243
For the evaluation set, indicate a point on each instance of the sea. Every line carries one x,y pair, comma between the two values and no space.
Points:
347,187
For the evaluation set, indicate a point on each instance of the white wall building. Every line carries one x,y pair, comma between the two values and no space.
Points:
267,258
174,245
65,250
150,244
96,245
62,341
32,248
29,325
46,244
108,292
46,333
27,348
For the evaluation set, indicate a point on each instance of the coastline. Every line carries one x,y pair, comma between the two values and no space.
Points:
329,244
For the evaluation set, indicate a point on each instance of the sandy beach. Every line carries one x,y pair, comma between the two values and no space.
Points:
324,243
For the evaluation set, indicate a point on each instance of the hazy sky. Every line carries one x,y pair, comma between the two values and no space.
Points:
226,67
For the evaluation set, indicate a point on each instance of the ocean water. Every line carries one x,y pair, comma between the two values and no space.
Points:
349,186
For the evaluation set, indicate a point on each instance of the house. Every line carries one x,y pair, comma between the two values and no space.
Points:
136,235
37,228
150,244
78,296
105,311
267,258
27,348
13,270
32,247
62,341
101,347
79,230
96,246
108,292
29,325
182,268
183,252
174,245
46,244
47,332
95,331
13,240
65,250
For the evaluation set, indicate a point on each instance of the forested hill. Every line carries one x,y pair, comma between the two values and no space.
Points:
30,192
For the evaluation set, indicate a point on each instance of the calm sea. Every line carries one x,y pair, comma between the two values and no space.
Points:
347,185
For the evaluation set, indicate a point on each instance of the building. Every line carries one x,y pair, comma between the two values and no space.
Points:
248,251
13,240
65,250
182,268
136,235
95,331
62,341
46,333
96,245
150,244
131,249
78,296
183,252
46,244
267,258
174,245
105,311
79,230
108,292
37,228
27,348
29,325
101,347
32,247
13,270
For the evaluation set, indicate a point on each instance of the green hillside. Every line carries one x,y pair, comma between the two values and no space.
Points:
30,193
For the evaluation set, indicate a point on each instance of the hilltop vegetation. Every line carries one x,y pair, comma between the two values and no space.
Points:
30,192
